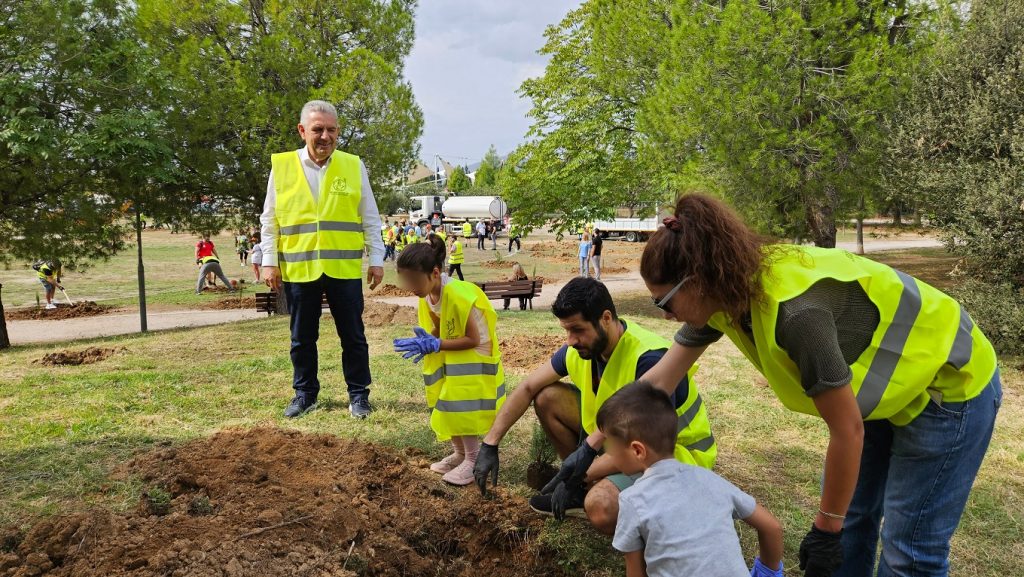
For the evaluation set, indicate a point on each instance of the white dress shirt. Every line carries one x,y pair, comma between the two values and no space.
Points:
314,174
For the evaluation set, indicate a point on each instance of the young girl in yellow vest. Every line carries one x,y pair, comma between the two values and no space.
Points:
462,373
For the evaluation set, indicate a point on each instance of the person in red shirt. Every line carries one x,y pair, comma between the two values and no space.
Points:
205,248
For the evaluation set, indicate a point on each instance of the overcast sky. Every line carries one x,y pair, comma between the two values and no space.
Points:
469,59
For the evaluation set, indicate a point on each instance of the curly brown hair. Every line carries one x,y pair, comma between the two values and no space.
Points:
708,241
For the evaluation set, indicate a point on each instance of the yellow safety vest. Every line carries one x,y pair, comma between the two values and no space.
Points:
924,340
325,237
440,232
464,388
695,444
207,259
467,230
457,256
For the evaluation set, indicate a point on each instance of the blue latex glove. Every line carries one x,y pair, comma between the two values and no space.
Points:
417,347
759,570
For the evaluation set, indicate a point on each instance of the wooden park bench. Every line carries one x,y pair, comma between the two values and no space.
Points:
267,302
505,289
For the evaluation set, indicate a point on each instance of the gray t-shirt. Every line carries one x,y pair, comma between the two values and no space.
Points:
681,517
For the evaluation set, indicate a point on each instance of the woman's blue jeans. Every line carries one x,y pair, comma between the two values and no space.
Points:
916,479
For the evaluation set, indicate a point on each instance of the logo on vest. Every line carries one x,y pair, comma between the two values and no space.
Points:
450,328
339,186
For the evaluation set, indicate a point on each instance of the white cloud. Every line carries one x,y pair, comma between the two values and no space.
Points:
469,58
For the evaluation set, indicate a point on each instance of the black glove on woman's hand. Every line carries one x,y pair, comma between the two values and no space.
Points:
821,553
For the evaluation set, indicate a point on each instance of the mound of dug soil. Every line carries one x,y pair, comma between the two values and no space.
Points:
526,352
378,314
229,303
63,311
390,290
73,358
495,264
269,502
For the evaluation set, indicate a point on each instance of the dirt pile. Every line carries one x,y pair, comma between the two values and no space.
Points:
216,289
526,352
390,290
378,314
230,303
269,502
504,264
560,251
63,311
73,358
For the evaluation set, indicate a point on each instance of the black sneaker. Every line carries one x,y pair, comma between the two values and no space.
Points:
542,505
360,408
299,406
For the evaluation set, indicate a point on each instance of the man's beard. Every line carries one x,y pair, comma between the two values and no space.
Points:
600,344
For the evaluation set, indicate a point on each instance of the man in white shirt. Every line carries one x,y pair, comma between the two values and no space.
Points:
319,226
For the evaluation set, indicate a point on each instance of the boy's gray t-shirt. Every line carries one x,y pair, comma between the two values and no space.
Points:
681,517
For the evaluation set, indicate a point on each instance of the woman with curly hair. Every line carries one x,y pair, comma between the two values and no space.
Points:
905,381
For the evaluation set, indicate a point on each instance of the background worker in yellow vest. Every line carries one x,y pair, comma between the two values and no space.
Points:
602,354
319,216
210,265
456,256
456,340
906,382
467,230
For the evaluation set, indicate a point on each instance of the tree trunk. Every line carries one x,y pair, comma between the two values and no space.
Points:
5,339
141,270
860,225
821,218
282,302
897,214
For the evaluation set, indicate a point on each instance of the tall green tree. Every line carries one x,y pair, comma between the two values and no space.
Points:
83,136
581,157
241,72
486,175
783,103
458,181
959,145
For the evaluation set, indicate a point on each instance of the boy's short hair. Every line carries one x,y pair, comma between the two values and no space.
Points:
640,412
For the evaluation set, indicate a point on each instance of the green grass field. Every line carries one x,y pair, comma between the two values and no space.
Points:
63,429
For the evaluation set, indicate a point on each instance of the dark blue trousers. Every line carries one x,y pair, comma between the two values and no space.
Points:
345,297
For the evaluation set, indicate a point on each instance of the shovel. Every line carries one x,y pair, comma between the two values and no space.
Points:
66,296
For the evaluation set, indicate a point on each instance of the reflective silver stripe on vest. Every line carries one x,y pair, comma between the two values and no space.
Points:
890,350
433,377
470,406
341,254
298,229
963,343
298,256
341,225
702,445
470,369
687,417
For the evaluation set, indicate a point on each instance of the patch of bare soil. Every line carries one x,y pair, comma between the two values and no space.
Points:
270,502
73,358
229,303
63,311
378,314
526,352
216,289
390,290
503,264
557,251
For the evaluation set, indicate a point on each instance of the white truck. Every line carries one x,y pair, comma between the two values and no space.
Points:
455,210
633,229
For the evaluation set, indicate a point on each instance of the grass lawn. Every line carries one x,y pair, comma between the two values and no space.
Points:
63,429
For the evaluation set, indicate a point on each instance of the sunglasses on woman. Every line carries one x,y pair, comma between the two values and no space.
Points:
663,303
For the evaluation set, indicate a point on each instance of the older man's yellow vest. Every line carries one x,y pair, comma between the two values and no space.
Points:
323,237
695,444
924,340
464,388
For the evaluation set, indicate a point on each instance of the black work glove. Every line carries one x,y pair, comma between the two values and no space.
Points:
486,466
563,495
821,553
574,468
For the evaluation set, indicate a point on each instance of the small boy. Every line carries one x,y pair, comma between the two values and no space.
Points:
677,519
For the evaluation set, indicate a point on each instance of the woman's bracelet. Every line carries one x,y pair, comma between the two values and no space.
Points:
832,515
